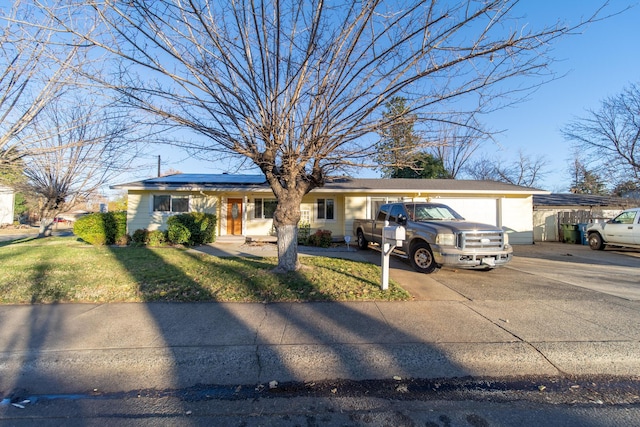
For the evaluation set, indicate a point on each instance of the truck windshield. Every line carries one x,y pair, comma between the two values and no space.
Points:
430,212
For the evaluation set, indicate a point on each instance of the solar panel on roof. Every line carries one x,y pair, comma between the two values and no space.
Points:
187,178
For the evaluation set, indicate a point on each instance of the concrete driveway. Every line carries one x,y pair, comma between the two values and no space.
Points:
611,272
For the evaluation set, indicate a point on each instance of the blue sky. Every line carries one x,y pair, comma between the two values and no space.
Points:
595,64
598,63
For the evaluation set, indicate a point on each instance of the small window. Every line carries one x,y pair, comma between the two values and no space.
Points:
170,204
161,203
325,209
264,208
179,204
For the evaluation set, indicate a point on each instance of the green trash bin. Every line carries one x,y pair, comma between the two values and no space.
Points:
570,233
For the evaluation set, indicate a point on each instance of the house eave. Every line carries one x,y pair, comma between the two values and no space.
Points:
428,192
191,188
341,185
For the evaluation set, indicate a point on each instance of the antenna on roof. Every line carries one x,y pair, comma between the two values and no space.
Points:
158,166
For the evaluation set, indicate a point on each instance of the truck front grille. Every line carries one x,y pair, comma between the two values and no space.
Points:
481,240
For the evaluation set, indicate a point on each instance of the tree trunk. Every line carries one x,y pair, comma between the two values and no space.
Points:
286,219
287,248
46,227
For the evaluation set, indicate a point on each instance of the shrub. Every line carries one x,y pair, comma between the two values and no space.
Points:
321,238
193,228
178,233
207,225
120,226
91,228
123,240
156,238
304,230
140,236
102,228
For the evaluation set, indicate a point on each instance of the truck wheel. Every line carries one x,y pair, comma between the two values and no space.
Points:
422,258
362,242
595,242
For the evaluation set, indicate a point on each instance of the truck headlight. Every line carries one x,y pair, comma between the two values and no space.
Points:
446,239
505,237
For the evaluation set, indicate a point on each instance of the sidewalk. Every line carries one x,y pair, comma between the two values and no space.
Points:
75,348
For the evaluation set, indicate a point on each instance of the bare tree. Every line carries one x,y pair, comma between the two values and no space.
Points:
526,171
609,138
455,141
80,146
35,69
298,87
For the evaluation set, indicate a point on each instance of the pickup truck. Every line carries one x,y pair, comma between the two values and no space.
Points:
623,230
437,236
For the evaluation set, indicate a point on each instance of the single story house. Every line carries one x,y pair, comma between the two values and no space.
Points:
7,197
244,204
550,211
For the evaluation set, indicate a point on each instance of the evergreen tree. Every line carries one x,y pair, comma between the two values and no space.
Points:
424,166
586,181
398,139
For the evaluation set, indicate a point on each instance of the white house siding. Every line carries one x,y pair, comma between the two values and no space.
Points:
257,226
355,207
6,205
512,214
516,216
140,214
546,226
484,210
335,225
308,208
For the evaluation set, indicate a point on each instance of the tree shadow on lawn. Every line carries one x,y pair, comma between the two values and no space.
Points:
17,240
209,343
249,343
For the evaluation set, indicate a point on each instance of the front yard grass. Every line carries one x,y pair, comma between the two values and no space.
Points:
62,269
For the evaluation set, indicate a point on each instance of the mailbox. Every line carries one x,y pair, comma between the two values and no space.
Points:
394,235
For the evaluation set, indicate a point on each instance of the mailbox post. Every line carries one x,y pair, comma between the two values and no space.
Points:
392,236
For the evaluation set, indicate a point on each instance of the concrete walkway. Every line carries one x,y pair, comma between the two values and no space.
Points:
454,328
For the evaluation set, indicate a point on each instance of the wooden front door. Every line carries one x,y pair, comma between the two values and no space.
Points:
234,216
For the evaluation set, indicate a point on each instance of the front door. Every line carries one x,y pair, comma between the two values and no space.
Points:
234,216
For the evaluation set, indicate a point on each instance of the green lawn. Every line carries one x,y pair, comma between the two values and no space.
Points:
59,269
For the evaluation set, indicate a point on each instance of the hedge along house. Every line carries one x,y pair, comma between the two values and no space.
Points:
244,204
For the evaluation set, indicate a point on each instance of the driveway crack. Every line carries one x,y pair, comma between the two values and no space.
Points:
517,338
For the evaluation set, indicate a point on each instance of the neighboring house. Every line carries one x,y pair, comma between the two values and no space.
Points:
7,196
550,211
245,204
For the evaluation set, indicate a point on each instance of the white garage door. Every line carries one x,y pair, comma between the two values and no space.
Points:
478,210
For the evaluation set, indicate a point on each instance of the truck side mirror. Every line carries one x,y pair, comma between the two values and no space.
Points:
402,219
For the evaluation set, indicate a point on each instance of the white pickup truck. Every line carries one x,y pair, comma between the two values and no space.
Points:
437,236
623,230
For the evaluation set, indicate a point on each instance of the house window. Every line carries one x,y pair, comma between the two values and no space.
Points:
376,202
325,209
170,204
264,208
